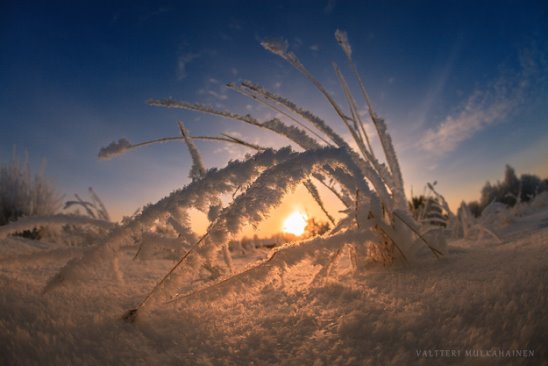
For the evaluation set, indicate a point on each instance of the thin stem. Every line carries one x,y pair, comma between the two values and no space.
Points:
358,123
353,130
131,315
257,96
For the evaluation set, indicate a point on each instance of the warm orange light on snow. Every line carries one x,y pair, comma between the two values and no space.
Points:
295,223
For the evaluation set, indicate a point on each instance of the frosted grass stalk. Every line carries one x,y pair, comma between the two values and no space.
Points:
199,194
296,63
293,133
288,255
385,139
80,202
358,124
197,171
101,208
376,222
224,138
316,195
266,101
266,192
307,115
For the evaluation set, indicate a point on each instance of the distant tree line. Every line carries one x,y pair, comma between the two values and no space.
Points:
510,191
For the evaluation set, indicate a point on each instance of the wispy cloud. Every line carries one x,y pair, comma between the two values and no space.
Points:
436,86
485,107
476,114
182,63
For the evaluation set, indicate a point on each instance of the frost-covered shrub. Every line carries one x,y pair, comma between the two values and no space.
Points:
23,193
429,210
377,225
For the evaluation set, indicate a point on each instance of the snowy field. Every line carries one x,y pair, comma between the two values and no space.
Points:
295,238
485,303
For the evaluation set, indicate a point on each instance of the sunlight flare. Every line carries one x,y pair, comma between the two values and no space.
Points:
295,223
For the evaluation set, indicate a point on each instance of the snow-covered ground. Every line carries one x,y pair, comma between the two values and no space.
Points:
485,303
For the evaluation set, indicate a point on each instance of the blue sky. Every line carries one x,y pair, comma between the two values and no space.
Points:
461,84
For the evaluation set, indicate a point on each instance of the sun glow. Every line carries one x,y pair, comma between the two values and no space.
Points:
295,223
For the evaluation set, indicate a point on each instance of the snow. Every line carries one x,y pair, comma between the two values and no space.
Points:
484,298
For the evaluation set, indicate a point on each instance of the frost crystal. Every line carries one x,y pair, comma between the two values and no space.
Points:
115,148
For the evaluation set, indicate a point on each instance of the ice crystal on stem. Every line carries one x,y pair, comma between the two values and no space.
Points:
376,224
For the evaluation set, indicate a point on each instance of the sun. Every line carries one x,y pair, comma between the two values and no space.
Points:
295,223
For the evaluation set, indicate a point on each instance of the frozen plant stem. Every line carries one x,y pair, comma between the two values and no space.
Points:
131,315
375,223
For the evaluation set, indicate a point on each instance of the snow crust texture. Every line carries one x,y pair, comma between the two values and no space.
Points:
483,296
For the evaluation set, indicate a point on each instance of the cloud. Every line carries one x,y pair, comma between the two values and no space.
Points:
436,86
477,114
482,109
183,62
314,47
